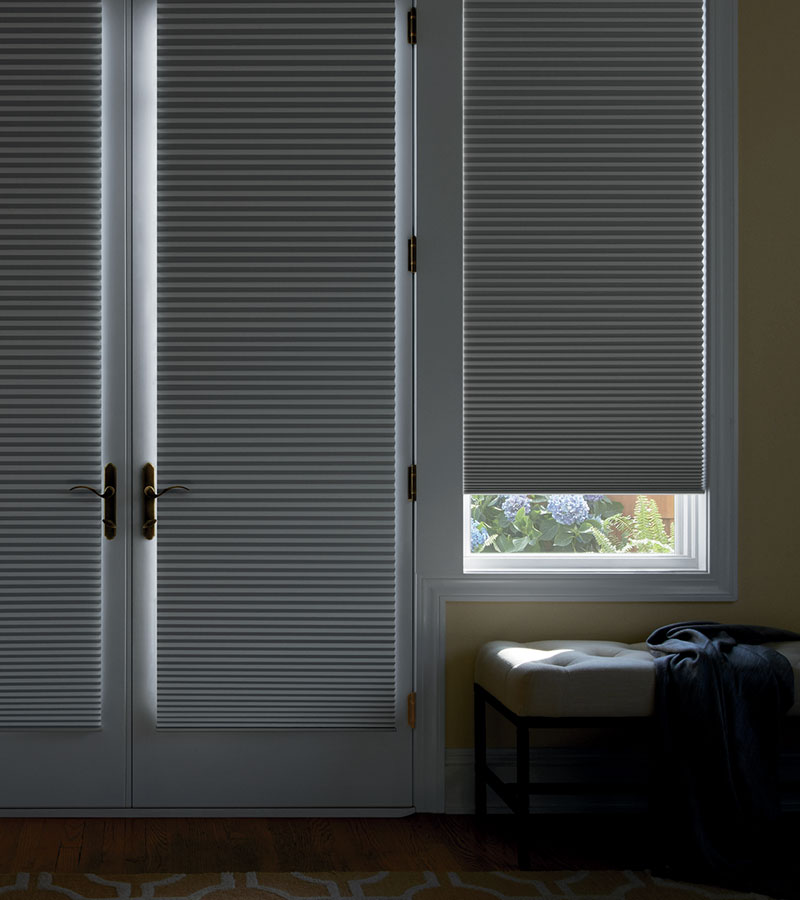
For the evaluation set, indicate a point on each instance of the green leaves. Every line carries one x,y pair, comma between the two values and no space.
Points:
550,531
643,532
564,537
603,508
608,530
504,544
521,521
603,542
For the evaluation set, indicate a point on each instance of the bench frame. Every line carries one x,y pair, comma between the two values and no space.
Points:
516,795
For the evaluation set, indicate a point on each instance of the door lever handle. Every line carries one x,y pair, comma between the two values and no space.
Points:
150,497
108,492
150,491
109,497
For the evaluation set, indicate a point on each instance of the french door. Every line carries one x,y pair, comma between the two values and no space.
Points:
207,207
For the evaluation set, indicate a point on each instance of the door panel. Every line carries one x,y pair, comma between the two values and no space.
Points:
232,227
62,599
272,611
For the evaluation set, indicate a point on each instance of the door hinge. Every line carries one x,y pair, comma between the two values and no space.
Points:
412,25
412,254
412,482
412,709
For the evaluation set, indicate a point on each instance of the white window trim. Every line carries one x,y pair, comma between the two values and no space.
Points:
439,507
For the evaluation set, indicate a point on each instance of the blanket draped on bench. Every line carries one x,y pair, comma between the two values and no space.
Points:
720,701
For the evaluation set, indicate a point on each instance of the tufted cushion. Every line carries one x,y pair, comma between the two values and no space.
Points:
581,678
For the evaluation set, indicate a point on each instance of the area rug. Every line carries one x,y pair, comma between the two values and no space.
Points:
587,885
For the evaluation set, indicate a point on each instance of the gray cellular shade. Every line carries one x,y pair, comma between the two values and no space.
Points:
50,120
276,364
584,246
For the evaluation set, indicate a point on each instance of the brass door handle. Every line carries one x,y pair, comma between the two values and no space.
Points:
109,497
150,491
150,496
108,492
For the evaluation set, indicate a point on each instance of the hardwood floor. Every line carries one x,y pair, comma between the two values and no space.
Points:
413,843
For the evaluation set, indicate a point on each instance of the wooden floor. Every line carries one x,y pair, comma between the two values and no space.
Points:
417,842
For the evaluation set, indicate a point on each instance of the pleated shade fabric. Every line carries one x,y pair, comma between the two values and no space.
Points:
584,272
276,364
50,392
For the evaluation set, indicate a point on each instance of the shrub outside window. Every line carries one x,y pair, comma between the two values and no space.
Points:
529,532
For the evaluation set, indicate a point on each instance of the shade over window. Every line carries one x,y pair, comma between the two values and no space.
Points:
584,246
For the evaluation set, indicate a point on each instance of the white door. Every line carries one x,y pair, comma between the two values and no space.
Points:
255,313
272,608
63,653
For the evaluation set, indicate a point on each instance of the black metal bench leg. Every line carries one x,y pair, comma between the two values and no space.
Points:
659,842
523,797
480,752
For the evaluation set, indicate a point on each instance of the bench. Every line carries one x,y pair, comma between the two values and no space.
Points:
566,684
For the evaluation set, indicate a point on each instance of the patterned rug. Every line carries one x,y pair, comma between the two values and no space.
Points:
592,885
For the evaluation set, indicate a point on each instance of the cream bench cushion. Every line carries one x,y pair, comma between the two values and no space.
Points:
582,678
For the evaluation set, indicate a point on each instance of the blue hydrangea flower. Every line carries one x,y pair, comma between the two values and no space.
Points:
568,509
478,536
514,503
590,498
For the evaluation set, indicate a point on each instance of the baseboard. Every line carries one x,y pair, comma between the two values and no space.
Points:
578,765
277,812
548,764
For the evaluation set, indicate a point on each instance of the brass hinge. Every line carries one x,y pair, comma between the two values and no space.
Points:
412,254
412,482
412,709
412,25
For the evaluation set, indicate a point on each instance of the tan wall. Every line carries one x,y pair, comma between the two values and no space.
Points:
769,383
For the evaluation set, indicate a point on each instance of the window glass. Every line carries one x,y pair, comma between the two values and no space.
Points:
572,523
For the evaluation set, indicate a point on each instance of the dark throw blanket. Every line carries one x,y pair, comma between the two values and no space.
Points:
720,699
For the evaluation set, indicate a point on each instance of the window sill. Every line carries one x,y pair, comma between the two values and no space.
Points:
556,564
584,587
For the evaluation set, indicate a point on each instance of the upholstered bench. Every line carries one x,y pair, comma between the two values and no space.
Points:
565,684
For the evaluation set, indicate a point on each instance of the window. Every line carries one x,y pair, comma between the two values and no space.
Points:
594,286
572,523
584,280
554,532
